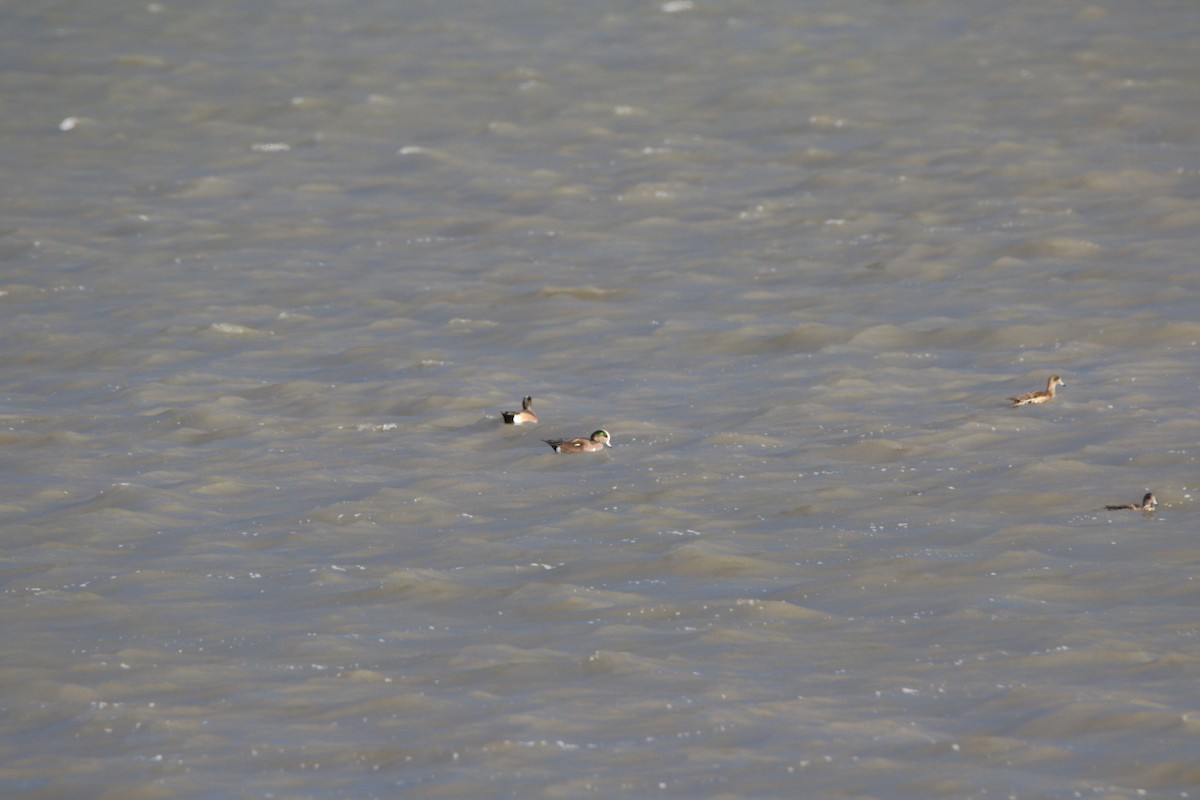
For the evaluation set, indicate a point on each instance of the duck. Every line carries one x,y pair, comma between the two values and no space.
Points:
522,417
1148,504
594,443
1039,397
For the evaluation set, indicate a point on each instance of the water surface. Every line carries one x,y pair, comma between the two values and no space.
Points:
271,273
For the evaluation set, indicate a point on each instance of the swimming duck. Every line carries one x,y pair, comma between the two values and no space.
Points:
1148,504
1039,397
596,442
521,417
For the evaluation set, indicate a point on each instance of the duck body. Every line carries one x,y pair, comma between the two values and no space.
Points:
523,417
594,443
1045,396
1149,502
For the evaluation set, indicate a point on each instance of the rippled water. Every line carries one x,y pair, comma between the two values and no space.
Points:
271,271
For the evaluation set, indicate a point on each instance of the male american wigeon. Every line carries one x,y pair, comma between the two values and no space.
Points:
596,442
525,415
1148,504
1039,397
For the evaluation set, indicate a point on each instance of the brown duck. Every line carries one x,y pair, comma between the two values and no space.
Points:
522,417
1148,504
1039,397
594,443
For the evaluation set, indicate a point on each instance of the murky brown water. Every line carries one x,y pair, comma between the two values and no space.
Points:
270,272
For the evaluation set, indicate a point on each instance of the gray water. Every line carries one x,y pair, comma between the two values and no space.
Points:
269,273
